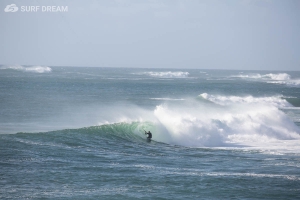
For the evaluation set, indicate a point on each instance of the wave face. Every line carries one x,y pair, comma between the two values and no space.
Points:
279,78
169,74
130,131
34,69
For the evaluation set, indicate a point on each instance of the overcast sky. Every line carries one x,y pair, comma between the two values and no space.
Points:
207,34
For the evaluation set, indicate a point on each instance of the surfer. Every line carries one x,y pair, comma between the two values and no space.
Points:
149,135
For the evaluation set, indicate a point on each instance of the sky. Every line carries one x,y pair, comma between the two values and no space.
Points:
204,34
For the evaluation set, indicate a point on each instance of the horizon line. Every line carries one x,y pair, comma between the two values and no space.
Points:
146,67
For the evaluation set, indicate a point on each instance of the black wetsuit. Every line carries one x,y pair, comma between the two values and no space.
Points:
149,135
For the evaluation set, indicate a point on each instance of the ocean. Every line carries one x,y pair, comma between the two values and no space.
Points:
78,133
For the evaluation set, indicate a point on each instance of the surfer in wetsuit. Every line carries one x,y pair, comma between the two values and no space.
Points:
149,135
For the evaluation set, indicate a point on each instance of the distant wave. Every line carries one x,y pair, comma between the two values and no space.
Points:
34,69
280,78
293,82
276,101
167,99
168,74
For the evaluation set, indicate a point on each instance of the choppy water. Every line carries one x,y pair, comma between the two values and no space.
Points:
78,133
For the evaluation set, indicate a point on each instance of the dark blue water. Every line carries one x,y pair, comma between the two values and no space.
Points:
78,133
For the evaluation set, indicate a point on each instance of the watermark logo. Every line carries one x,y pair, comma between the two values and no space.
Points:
14,8
11,8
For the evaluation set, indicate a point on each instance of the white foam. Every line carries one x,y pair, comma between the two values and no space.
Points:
14,67
253,76
276,101
279,78
292,82
34,69
38,69
168,74
249,124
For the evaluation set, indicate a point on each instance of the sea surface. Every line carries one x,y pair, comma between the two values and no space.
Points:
78,133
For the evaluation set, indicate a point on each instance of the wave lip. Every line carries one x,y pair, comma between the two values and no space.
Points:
33,69
168,74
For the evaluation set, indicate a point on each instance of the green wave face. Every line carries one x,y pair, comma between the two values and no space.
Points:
105,138
133,131
294,101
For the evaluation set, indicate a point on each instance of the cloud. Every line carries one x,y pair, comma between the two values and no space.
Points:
11,8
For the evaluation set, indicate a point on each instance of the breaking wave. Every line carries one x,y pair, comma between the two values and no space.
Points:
209,121
276,101
294,82
280,78
34,69
168,74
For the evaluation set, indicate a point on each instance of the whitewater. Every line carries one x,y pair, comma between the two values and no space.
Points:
78,133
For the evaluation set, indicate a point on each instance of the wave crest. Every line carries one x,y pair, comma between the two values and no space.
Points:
276,101
169,74
280,78
34,69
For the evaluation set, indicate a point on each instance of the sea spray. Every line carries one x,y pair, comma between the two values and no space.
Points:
244,122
